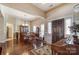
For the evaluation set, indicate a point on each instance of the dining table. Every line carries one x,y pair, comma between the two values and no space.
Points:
62,48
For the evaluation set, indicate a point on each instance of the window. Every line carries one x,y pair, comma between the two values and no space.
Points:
49,27
34,28
67,25
42,30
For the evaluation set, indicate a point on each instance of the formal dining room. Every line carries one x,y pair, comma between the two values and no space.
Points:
39,29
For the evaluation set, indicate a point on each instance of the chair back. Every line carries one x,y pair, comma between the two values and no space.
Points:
0,50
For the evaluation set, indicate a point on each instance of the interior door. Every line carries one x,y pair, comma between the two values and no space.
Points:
57,30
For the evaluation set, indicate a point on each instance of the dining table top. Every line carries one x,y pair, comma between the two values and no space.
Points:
71,48
60,43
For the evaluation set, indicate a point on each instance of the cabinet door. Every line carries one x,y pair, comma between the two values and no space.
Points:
57,30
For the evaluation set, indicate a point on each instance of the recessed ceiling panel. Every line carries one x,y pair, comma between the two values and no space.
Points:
46,6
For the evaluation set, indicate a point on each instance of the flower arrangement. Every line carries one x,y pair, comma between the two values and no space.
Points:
75,28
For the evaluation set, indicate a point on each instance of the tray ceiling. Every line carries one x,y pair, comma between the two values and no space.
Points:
46,6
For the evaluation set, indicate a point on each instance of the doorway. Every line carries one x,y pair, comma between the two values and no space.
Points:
9,35
9,31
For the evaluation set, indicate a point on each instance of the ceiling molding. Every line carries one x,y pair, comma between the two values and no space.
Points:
55,7
47,6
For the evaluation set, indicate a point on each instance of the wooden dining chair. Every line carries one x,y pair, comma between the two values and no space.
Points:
59,50
73,49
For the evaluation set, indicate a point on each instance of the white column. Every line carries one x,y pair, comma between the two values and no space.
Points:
3,31
15,26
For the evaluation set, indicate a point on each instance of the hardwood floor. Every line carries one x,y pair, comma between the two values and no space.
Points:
17,49
25,49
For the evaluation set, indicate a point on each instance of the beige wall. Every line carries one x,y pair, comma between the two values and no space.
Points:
26,7
35,23
14,23
61,11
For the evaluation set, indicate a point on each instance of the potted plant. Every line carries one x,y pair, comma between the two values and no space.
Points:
75,30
